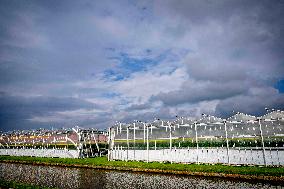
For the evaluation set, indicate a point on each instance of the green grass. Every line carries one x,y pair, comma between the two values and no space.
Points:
16,185
102,161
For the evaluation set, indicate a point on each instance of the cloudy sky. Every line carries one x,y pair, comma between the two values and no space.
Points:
91,63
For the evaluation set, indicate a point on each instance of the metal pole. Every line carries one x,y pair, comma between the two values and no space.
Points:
196,139
155,145
147,144
91,149
127,139
144,137
225,124
115,153
171,142
66,142
112,142
109,145
79,145
134,142
262,141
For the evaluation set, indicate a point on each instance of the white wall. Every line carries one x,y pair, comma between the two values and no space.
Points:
62,153
205,155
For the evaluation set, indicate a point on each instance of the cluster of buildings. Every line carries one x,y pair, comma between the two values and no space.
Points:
87,141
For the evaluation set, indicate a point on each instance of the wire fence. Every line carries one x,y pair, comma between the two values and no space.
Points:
240,139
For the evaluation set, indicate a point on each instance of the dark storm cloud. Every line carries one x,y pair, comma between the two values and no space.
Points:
254,102
47,41
199,91
216,71
16,111
240,52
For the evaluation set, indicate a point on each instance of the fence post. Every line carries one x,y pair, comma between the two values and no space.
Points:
112,142
127,140
134,141
171,142
227,142
122,154
114,152
196,139
147,143
155,144
262,141
144,140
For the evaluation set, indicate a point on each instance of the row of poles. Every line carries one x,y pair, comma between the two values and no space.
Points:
146,139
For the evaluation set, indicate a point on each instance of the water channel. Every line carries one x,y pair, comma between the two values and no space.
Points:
61,177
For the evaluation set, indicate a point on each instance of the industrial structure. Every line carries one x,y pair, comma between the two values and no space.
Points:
240,139
74,143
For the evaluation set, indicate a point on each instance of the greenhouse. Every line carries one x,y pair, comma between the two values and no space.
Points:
239,139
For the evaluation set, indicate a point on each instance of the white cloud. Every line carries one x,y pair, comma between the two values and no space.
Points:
141,86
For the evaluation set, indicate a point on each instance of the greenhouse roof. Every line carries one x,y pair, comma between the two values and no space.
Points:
210,120
184,121
241,117
277,114
205,120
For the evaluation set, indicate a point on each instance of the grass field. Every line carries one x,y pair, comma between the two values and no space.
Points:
101,162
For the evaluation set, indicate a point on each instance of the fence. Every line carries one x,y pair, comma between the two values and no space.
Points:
240,139
61,153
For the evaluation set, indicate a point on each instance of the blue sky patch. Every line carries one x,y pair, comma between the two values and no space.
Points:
113,75
137,64
110,94
127,64
280,86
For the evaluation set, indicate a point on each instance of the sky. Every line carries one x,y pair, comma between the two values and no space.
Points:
93,63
